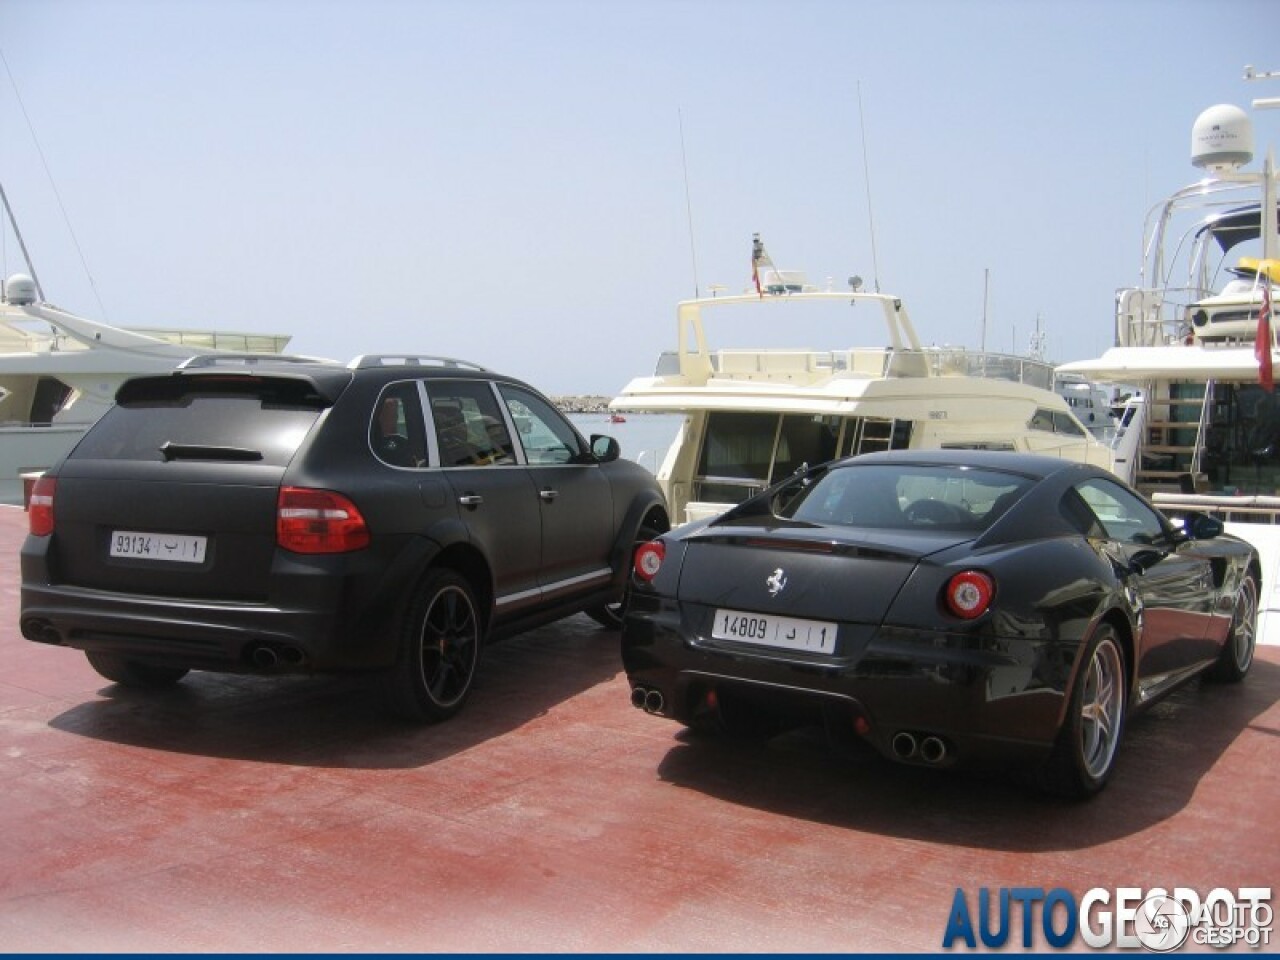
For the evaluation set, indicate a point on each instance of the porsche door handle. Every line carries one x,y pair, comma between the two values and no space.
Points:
547,494
471,499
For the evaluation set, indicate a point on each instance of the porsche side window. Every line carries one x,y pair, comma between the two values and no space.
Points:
468,425
1121,514
396,433
546,436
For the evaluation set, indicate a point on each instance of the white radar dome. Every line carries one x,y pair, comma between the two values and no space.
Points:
20,290
1222,138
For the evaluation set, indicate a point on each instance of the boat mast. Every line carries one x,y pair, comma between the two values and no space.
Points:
866,174
1270,229
688,205
13,222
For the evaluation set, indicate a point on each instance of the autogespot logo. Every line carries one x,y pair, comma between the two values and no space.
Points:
1157,920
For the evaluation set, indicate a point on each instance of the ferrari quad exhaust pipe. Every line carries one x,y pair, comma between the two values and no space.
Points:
650,701
904,745
933,750
927,748
266,656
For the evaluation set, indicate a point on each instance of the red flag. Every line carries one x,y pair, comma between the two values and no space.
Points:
1262,342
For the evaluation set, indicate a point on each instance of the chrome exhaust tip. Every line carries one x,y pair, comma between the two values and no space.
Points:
933,750
293,656
263,657
904,745
653,701
637,697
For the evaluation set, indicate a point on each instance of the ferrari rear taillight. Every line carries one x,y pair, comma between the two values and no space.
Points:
40,507
649,557
969,594
318,521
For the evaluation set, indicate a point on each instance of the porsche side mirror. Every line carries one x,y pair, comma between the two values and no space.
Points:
604,448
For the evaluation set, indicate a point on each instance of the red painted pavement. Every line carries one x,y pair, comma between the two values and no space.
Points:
246,814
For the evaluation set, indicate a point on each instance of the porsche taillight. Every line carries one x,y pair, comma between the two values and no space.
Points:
969,594
318,521
40,507
648,560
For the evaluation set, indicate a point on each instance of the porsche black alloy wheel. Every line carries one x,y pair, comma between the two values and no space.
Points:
440,637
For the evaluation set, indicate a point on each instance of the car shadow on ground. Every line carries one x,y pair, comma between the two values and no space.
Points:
1167,751
341,721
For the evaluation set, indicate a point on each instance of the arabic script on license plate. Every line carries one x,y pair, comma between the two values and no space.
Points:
770,631
158,546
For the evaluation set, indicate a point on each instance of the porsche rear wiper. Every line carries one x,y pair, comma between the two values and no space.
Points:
196,451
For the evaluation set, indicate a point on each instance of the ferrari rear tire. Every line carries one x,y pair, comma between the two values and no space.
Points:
134,673
1085,752
1237,653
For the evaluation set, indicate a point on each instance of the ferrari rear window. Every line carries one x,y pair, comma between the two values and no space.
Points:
896,496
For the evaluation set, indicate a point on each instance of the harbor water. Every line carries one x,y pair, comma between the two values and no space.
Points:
644,437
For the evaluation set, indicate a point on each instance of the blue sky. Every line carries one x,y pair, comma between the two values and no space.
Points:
504,181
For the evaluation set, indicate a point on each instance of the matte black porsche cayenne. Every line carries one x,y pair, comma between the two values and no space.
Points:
259,515
948,606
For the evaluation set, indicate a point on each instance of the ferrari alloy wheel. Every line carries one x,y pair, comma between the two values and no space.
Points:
439,649
1086,750
1237,653
134,673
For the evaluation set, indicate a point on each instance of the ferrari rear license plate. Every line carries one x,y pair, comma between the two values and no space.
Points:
788,633
158,546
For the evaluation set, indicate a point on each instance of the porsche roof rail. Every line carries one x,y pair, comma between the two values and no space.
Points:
365,361
245,360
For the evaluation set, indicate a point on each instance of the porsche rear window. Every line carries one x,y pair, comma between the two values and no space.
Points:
241,419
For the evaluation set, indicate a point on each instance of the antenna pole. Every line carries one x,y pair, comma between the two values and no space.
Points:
688,205
866,175
986,282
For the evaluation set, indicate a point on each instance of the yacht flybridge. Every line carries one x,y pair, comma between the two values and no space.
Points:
1197,335
59,373
753,416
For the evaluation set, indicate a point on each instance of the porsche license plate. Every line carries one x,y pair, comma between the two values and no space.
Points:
158,546
788,633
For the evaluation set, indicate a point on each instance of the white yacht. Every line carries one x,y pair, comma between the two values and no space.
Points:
1187,336
59,373
753,416
1197,337
1092,403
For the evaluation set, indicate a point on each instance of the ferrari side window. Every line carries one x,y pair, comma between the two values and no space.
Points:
1121,514
1078,513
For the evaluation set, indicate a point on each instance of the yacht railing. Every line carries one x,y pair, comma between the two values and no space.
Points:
1202,428
1253,507
875,362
